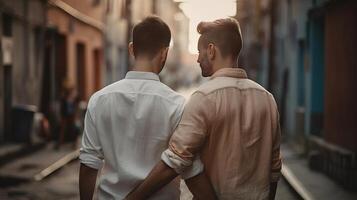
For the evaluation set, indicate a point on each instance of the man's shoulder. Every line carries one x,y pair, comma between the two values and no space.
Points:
219,83
105,90
215,84
124,87
166,92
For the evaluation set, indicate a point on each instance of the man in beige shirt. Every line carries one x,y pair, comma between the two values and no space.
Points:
230,121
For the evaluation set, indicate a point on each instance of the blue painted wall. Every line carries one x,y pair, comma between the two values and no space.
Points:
315,77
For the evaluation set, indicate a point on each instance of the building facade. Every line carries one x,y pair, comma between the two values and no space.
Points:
309,68
75,45
46,44
22,33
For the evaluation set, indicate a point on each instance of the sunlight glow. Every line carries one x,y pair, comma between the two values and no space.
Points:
204,10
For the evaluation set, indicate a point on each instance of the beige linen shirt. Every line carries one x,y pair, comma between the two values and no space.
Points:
233,123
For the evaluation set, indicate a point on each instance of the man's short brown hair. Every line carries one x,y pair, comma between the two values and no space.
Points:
150,35
224,33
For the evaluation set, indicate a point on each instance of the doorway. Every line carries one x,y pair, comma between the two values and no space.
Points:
81,71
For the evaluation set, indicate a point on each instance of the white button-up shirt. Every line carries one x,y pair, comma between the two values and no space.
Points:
127,126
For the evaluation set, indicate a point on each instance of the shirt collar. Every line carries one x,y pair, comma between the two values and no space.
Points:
230,72
142,75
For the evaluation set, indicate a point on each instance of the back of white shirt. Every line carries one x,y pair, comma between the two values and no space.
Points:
128,125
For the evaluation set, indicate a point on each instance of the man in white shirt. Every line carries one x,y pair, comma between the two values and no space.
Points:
128,124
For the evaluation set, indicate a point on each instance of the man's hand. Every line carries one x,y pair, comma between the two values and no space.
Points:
159,176
87,180
201,187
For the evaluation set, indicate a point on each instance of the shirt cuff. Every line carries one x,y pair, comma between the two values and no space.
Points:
90,160
194,170
174,161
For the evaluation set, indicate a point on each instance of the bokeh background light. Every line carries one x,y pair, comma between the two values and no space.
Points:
204,10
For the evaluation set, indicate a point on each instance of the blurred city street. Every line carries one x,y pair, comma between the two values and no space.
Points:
63,184
19,178
55,54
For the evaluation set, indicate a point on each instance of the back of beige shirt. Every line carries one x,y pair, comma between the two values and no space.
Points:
232,122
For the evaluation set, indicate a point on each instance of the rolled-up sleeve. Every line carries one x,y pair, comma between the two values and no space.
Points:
276,156
90,152
186,168
189,136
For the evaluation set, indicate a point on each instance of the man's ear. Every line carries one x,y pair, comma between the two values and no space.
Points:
163,54
131,49
211,51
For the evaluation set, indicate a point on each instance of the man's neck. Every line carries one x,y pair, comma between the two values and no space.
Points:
144,66
228,63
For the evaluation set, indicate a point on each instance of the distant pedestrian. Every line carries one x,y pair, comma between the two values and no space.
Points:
70,121
231,121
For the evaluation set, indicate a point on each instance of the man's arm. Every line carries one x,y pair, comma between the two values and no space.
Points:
201,187
184,144
276,157
87,180
159,176
162,174
91,158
